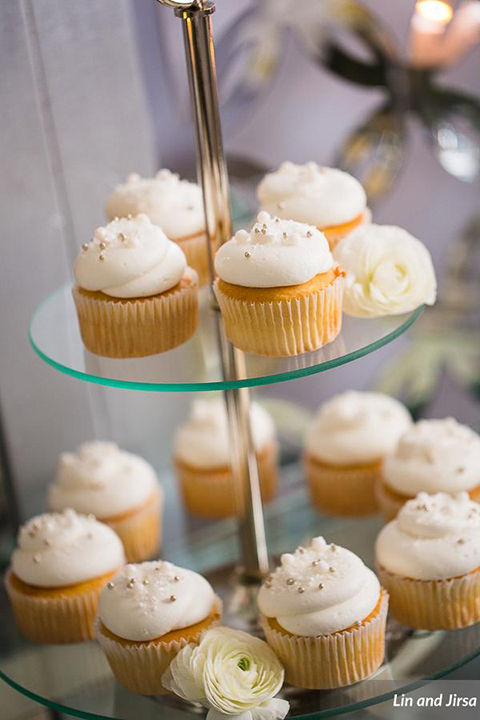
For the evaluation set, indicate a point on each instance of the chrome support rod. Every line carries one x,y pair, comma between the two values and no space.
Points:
213,178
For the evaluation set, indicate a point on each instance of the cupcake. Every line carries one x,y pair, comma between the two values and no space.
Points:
330,199
134,293
202,458
432,456
119,488
61,564
174,205
428,559
278,289
345,446
324,614
146,614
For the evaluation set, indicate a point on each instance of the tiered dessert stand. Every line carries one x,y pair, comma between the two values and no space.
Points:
75,679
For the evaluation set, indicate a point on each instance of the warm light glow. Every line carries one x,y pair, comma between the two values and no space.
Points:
435,11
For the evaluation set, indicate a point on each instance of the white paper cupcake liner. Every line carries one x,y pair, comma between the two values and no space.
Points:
139,666
285,327
141,326
331,661
344,491
434,604
211,493
68,618
140,531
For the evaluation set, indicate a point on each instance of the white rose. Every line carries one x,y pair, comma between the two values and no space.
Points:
389,272
231,673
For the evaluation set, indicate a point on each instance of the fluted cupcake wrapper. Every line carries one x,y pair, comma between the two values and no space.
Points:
141,531
138,327
342,490
388,503
211,494
331,661
196,252
285,327
434,604
139,667
56,620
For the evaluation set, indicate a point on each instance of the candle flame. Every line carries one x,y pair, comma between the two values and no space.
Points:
436,11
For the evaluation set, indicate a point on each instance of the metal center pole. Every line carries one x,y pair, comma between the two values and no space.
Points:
213,178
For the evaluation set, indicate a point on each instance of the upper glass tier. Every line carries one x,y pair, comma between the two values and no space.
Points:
194,366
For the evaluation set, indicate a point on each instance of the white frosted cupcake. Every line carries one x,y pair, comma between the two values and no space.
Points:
201,456
324,614
432,456
146,614
61,563
345,446
279,291
174,205
134,293
389,272
330,199
428,559
119,488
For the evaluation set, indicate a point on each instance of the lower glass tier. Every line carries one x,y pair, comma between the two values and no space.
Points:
195,365
76,679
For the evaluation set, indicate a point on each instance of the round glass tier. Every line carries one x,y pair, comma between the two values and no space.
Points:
76,679
195,366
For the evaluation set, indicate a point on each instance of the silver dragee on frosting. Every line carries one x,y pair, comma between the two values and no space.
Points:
150,599
61,549
357,427
435,456
313,194
274,253
102,479
203,440
175,205
130,258
319,590
433,537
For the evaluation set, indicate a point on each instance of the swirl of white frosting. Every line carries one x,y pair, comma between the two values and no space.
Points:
389,272
173,204
203,440
274,253
433,537
357,427
312,194
435,456
103,480
61,549
148,600
319,590
130,258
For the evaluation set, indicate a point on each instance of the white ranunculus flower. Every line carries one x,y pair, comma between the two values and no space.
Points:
389,272
231,673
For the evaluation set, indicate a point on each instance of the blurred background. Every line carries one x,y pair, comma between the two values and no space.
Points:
92,91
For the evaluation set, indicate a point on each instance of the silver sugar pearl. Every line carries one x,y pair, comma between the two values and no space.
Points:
331,569
173,598
290,581
121,237
321,586
333,547
359,622
131,583
309,234
301,550
102,246
248,254
101,257
263,231
285,235
85,246
146,581
460,541
176,578
316,562
301,590
111,585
